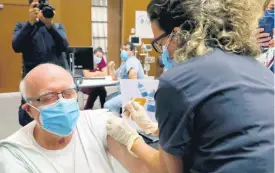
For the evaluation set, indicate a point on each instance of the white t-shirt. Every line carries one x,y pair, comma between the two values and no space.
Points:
87,151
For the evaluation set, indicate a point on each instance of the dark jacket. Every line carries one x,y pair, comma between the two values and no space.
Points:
38,44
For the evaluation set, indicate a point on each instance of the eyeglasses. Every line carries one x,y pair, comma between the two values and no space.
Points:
52,97
156,45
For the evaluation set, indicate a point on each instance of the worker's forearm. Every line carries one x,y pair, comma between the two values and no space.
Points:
92,74
100,74
148,155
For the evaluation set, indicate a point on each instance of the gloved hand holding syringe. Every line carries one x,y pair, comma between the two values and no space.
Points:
136,112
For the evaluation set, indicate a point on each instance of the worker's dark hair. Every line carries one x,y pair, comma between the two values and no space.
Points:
206,24
132,47
167,13
98,49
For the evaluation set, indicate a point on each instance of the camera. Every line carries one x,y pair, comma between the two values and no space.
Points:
46,8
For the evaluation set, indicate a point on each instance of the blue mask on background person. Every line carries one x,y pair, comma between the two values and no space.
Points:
97,60
167,62
269,13
124,55
59,118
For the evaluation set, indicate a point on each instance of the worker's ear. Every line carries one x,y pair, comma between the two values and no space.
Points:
176,29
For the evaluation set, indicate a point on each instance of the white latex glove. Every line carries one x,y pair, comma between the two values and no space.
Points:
138,114
122,132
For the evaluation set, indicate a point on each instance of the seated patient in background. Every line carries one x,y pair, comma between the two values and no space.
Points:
130,68
100,70
61,138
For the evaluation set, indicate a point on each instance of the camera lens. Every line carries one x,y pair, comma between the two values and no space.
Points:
48,12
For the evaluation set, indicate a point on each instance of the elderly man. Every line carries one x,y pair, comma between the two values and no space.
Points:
62,138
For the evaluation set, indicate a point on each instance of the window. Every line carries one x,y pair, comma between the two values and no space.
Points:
99,24
99,3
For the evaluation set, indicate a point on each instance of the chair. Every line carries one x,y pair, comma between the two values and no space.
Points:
82,98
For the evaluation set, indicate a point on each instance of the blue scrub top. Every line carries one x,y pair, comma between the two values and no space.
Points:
125,67
217,113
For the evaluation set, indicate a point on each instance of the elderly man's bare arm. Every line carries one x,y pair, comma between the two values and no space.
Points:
121,131
120,152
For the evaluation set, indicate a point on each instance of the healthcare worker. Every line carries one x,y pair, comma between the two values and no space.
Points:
100,70
130,68
209,110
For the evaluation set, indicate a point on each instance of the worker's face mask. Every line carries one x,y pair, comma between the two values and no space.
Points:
97,60
124,55
59,118
167,62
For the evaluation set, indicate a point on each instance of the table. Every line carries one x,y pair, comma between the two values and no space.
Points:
92,83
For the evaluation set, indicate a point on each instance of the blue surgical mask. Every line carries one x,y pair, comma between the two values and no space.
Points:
167,62
97,60
269,13
59,118
124,55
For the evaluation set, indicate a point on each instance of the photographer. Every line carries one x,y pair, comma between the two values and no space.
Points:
39,40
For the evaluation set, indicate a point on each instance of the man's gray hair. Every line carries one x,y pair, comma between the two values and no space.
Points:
22,86
22,89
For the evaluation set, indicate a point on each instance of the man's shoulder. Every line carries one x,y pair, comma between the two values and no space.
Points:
201,68
191,77
132,60
92,124
21,136
94,114
20,24
57,25
95,120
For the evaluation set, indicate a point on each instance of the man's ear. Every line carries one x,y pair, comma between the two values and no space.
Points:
27,108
